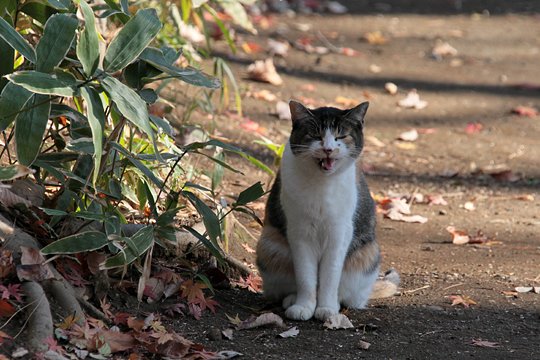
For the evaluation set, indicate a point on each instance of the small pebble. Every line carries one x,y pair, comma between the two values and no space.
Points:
214,334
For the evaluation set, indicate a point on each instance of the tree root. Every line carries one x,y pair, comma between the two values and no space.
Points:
40,322
52,296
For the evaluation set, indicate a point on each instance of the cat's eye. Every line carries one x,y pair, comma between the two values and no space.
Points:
315,137
340,137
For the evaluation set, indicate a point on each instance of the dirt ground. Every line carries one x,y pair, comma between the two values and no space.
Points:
496,169
471,149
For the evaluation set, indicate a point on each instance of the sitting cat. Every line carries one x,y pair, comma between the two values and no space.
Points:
317,249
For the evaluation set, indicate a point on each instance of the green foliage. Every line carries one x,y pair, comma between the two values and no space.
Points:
85,127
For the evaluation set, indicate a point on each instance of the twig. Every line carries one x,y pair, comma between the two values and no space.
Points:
415,290
327,43
30,316
15,314
452,286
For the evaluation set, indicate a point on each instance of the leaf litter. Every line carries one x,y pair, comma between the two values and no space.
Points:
462,300
338,321
264,71
266,319
412,101
292,332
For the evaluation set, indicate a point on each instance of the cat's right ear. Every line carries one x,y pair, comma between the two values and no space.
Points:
298,111
358,113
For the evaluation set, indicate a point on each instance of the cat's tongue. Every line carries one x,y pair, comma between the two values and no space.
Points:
328,163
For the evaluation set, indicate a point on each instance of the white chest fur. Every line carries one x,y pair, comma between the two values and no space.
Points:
318,202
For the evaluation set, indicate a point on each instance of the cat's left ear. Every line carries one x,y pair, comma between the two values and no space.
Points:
357,113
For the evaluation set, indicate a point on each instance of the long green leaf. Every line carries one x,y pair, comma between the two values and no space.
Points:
8,55
250,194
13,38
237,12
12,99
130,104
156,58
210,219
86,241
214,250
139,244
39,11
30,127
88,45
138,164
57,37
96,119
58,83
60,4
134,37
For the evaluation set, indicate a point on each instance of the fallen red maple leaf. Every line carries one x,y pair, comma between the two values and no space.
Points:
6,309
473,128
53,345
528,111
11,290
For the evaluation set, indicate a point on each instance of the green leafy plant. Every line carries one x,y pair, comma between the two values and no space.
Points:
80,121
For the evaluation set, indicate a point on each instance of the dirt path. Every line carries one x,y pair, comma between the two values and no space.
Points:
488,175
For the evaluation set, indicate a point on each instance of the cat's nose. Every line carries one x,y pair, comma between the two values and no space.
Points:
328,151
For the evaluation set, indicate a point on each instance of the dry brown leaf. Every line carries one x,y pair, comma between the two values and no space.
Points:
473,128
117,341
412,101
227,354
277,47
484,343
375,38
227,333
525,197
411,135
528,111
443,49
364,345
464,300
346,102
308,87
391,88
267,319
459,237
283,111
469,205
248,248
338,321
436,199
265,71
405,145
526,289
264,94
292,332
375,141
234,320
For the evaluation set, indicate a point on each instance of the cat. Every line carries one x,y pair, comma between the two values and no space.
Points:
317,249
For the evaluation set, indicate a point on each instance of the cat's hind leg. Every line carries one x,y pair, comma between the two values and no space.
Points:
360,273
279,287
355,288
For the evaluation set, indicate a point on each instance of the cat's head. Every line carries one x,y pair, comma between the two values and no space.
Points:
330,137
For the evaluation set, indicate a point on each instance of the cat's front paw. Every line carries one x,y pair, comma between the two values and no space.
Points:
323,313
299,312
288,301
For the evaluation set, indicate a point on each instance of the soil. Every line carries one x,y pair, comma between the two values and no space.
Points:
496,169
494,71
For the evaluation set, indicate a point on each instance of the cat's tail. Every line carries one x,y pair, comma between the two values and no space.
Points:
386,286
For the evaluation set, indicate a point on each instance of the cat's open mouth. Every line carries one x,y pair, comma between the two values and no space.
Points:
327,164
